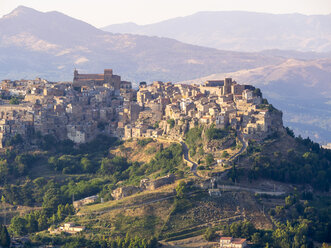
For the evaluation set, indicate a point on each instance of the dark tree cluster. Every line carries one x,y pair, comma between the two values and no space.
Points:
311,167
103,242
4,237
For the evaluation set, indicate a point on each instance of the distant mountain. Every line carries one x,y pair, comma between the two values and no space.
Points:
292,54
241,31
51,45
301,89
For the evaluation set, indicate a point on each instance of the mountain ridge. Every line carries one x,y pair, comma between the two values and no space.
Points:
242,30
67,43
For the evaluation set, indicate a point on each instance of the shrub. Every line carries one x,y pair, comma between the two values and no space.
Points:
209,159
215,133
171,122
210,234
14,101
225,154
144,142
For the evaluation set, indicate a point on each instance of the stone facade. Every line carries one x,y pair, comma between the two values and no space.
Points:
121,192
85,201
147,184
107,79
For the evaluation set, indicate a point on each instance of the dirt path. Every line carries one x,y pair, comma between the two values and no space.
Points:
254,190
186,157
243,148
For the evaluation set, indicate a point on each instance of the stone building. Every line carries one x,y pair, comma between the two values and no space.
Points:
108,78
85,201
121,192
229,242
147,184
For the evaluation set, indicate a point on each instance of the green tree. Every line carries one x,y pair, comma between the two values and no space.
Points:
18,225
210,234
60,212
289,201
225,154
4,237
171,122
256,238
86,164
152,243
42,221
51,199
14,101
209,159
32,224
15,140
180,189
4,171
215,133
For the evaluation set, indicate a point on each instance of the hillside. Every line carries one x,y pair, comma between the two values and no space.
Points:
241,31
51,45
167,176
254,199
300,88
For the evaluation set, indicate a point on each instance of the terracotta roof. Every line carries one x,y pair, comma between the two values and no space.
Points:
226,238
238,241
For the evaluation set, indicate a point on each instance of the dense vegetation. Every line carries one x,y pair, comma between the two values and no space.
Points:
311,166
4,237
81,241
297,223
193,139
215,133
51,176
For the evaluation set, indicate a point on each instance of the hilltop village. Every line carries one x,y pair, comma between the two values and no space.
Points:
188,163
104,104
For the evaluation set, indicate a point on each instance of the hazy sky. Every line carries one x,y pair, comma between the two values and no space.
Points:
104,12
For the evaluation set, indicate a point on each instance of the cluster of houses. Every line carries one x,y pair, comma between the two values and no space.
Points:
103,103
220,102
78,110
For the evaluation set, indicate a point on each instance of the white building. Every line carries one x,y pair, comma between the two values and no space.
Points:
230,242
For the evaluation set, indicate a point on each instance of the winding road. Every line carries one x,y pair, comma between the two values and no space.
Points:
233,157
186,157
254,190
243,148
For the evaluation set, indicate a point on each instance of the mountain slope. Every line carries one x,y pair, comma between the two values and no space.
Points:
241,31
51,44
301,89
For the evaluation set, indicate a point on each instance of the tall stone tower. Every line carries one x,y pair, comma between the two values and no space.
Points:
112,79
227,86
